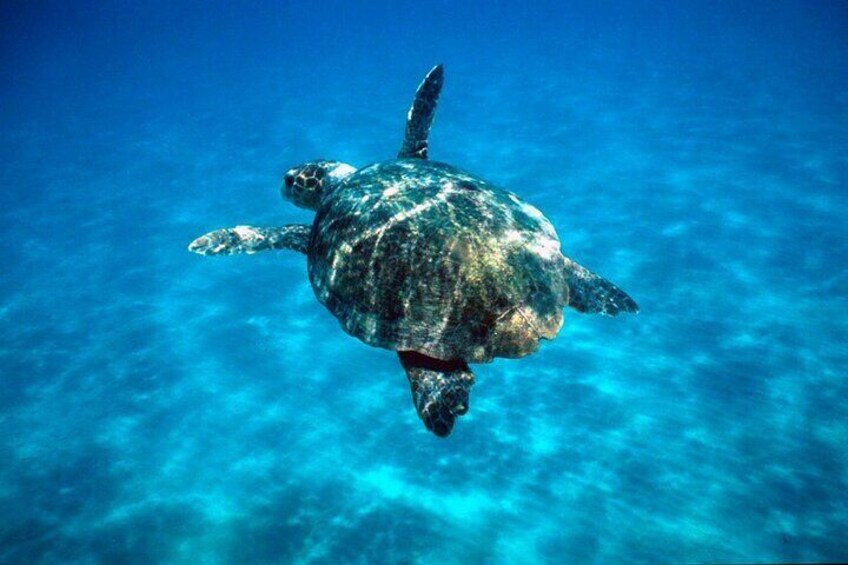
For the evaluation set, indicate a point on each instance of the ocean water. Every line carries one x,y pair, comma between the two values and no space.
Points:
161,407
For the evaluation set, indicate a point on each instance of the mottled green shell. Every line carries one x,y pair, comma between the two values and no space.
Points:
418,255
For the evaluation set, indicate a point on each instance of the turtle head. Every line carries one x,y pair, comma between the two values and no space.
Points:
305,184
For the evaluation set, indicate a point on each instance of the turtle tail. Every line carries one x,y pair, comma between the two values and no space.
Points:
439,389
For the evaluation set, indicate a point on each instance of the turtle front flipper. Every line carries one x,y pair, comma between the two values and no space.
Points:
420,116
593,294
439,389
249,239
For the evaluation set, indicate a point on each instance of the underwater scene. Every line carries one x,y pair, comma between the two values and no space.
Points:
160,406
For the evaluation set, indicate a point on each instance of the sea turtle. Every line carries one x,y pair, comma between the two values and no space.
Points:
427,260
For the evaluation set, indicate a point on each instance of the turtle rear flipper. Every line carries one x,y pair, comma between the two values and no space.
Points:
439,389
593,294
249,239
420,117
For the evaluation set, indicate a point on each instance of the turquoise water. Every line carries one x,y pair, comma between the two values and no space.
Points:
158,406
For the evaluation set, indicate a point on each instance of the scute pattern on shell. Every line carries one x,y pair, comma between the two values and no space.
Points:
418,255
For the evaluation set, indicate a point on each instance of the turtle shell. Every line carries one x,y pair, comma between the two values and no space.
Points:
418,255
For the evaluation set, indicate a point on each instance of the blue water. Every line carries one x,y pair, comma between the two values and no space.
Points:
158,406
